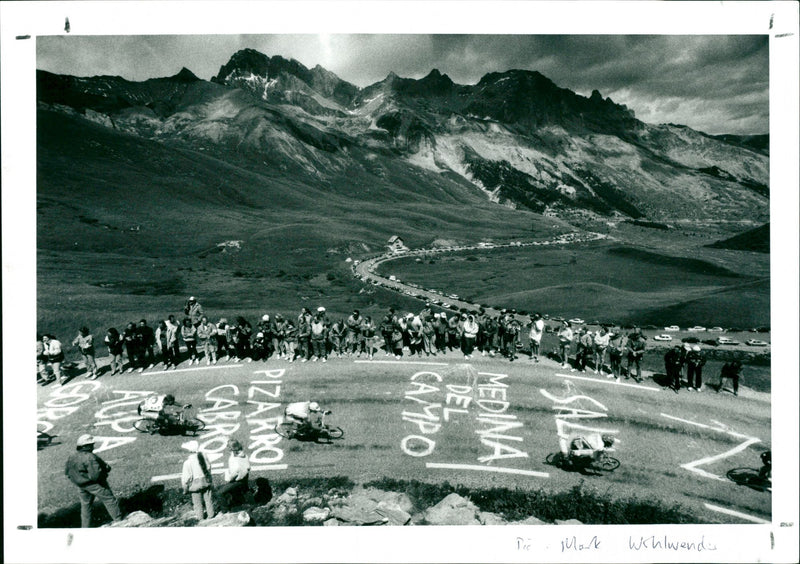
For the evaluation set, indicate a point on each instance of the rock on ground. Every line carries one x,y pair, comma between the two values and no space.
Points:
453,510
238,519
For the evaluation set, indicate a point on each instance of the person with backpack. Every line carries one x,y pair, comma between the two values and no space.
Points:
196,480
89,473
85,343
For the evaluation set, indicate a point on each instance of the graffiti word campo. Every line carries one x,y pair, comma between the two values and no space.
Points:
485,400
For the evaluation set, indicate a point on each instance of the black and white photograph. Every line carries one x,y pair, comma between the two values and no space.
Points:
520,290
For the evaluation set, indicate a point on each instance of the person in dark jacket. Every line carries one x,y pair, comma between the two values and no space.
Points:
694,368
146,338
131,339
114,343
732,370
90,473
673,362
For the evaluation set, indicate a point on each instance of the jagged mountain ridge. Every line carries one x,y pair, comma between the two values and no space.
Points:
515,135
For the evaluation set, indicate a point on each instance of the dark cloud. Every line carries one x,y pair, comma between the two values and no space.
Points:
719,84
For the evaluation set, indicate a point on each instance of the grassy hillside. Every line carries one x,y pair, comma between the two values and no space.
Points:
128,228
600,281
756,240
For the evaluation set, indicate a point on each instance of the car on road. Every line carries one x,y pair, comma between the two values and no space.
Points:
696,329
756,343
716,330
577,321
445,304
726,341
393,278
662,338
672,328
452,296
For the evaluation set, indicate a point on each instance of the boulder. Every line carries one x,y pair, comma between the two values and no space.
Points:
331,523
359,509
238,519
134,519
393,512
287,497
489,518
568,522
453,510
398,499
529,521
314,514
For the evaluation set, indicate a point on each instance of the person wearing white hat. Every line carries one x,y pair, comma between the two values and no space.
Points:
196,480
90,473
694,368
194,310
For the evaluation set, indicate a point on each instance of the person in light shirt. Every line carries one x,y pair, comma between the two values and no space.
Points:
601,340
537,330
236,477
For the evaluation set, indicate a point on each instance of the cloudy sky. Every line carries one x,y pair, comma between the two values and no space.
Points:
716,84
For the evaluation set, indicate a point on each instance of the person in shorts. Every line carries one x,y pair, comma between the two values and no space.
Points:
537,330
85,343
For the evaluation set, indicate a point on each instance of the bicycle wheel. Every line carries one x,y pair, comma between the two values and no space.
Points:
286,430
193,425
334,432
607,463
146,426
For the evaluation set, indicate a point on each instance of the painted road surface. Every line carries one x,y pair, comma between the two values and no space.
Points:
485,423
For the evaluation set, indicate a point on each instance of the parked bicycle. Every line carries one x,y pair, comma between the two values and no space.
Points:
184,425
307,432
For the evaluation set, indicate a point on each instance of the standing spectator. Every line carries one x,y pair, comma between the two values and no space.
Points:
585,346
367,332
616,348
173,333
352,331
55,356
414,329
114,342
194,310
278,330
305,315
673,362
335,336
265,328
146,340
189,336
41,362
245,333
694,368
223,338
440,331
207,339
601,341
387,324
635,349
732,370
90,473
397,341
428,337
196,480
290,340
319,337
565,337
511,330
537,330
163,341
304,338
452,333
469,336
490,335
85,343
236,478
131,339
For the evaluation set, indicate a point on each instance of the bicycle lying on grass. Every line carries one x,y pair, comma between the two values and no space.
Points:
184,425
759,480
321,433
